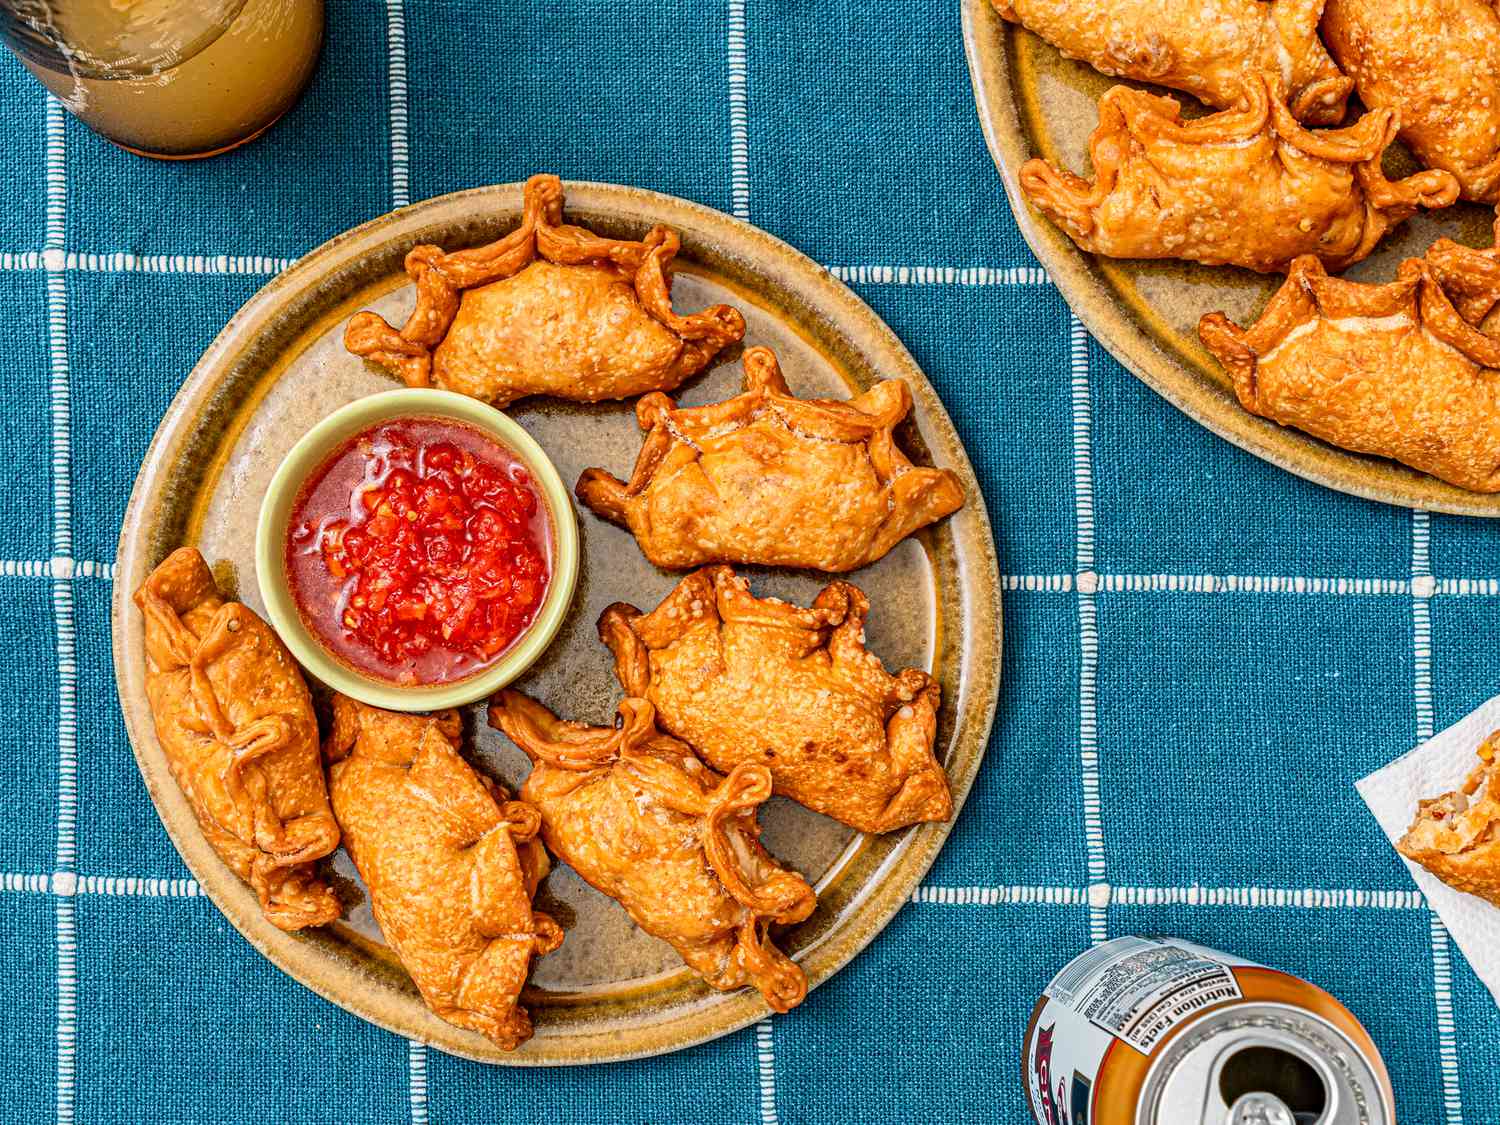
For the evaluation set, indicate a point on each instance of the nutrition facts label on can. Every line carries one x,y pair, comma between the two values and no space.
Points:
1138,989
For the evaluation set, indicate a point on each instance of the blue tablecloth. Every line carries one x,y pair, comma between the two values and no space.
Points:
1202,652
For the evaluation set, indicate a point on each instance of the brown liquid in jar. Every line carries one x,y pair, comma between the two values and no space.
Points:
231,84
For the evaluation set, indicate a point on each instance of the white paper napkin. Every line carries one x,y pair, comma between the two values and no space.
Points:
1437,766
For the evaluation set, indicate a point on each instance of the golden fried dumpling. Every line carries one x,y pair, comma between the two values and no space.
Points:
642,820
1457,836
746,679
1394,370
1207,48
450,862
769,478
550,309
1436,63
1246,187
235,721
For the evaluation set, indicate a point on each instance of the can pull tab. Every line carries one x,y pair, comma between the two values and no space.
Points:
1259,1108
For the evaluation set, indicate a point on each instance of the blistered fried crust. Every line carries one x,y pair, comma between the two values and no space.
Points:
1437,64
641,819
450,862
769,478
549,309
1469,275
1394,370
1207,48
755,680
1457,836
235,721
1247,187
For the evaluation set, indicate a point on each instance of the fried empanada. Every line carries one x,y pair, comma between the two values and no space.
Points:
1246,187
235,720
1437,63
745,679
1394,370
768,478
1207,48
450,862
550,309
642,820
1457,836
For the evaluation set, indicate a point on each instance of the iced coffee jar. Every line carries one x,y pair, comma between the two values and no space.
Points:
169,78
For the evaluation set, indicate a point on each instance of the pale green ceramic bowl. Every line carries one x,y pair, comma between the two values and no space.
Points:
305,458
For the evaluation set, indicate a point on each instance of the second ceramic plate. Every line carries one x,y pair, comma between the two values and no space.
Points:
611,992
1034,102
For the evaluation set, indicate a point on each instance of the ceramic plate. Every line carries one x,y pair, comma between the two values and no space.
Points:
1034,102
611,992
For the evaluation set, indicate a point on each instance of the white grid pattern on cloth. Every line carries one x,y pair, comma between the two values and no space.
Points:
123,261
739,113
400,167
65,883
93,261
1087,586
739,188
765,1053
1422,587
59,570
941,275
416,1080
395,33
59,567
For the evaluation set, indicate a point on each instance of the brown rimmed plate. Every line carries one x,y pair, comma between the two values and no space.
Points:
1034,102
279,365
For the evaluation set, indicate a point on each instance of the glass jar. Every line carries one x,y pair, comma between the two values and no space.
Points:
176,79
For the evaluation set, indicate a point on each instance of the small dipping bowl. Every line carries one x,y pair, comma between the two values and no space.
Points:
313,451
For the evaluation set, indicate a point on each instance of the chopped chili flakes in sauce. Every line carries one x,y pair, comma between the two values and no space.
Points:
420,551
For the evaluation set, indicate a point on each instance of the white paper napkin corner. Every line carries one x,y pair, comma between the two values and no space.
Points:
1392,792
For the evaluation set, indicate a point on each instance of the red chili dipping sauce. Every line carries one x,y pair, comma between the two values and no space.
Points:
419,551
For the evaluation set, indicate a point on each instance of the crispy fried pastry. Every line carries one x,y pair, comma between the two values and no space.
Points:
450,861
236,723
1470,276
1457,836
1247,187
765,477
1207,48
639,817
1437,63
745,679
1394,370
549,309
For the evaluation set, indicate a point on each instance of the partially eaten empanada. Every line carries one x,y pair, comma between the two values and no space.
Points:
642,820
451,864
550,309
1394,370
1247,187
1437,63
235,720
1457,836
746,679
769,478
1207,48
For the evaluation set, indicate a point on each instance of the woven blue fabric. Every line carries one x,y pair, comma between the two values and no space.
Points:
1237,646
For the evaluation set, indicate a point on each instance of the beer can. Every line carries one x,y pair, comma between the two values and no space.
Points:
1158,1031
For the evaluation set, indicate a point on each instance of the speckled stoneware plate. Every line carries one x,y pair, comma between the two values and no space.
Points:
1034,102
611,992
